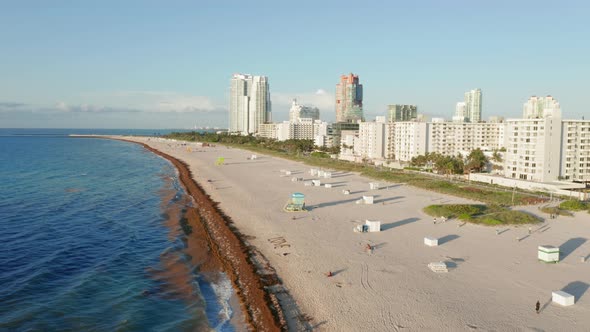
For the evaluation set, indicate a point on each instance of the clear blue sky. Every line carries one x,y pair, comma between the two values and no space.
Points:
167,64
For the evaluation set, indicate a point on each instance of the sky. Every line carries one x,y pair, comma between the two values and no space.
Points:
167,64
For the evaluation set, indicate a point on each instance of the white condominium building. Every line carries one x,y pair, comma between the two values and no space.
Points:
268,130
372,136
452,138
536,107
575,150
406,140
249,103
533,148
473,105
305,128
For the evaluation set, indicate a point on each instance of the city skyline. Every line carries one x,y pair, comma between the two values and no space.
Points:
152,66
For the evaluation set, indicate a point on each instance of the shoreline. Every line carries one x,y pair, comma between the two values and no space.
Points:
259,304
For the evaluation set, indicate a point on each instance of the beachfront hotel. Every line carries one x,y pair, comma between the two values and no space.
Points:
249,103
349,99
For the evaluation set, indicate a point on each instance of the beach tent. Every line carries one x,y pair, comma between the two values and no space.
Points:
327,175
346,192
316,183
220,161
374,185
328,185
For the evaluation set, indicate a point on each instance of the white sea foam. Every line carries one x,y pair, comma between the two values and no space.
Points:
223,292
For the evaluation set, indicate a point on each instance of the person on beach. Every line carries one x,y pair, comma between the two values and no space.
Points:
330,274
538,306
434,221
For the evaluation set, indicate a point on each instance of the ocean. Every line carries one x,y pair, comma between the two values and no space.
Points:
91,239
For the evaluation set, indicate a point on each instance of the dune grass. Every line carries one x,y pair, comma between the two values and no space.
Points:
491,215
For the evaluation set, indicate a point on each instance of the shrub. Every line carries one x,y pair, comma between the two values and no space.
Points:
556,210
491,221
464,216
319,154
573,205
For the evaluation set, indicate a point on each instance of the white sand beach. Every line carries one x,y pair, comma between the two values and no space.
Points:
493,283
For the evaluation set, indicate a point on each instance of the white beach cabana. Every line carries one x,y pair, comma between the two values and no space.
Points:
431,241
367,199
373,225
374,185
562,298
438,267
548,254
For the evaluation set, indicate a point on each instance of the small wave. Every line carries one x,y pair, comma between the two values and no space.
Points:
223,292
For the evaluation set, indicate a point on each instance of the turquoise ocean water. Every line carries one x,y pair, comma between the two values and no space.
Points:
82,228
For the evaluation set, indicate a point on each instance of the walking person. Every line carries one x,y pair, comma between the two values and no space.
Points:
538,306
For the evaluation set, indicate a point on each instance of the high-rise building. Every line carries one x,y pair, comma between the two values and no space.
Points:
398,112
249,103
473,105
299,112
349,99
536,107
460,114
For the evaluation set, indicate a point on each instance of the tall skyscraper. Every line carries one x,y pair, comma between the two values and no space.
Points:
472,106
536,107
349,99
249,103
401,112
298,112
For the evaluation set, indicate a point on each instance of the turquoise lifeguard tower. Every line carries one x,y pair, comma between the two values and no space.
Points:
297,203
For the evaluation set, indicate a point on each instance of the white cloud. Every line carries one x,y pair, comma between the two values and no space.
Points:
141,101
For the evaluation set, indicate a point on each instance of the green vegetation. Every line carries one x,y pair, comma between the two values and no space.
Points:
556,210
574,205
319,154
476,161
304,151
490,215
